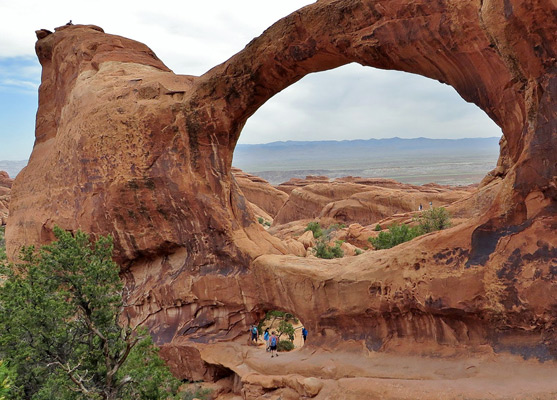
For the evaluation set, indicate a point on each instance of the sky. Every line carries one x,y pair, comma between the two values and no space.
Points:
191,37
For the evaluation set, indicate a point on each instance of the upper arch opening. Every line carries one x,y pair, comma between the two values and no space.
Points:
361,103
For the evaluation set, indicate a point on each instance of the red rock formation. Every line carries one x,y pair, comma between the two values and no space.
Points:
5,188
258,191
294,183
362,200
126,147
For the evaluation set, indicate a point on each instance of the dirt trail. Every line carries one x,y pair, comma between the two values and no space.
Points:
352,375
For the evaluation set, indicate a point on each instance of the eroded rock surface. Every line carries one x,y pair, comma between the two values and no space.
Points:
126,147
363,200
260,192
5,189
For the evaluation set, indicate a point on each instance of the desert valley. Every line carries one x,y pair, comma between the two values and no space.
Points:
463,306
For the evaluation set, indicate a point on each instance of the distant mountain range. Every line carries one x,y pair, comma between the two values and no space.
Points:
418,161
12,167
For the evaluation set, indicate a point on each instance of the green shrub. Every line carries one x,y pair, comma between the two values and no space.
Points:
5,380
197,393
261,220
378,228
436,219
285,345
323,250
336,227
396,235
286,328
2,246
315,228
358,252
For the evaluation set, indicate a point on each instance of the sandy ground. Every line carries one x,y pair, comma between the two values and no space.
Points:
354,375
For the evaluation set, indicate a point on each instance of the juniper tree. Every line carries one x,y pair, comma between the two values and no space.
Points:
61,330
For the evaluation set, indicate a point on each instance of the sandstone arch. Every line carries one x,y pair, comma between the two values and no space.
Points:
126,147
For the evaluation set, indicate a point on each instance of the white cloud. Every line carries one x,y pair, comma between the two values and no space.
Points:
192,37
19,83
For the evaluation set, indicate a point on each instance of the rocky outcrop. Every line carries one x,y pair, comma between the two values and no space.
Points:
365,201
5,189
258,191
125,147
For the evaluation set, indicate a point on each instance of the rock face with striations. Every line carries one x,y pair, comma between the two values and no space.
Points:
128,148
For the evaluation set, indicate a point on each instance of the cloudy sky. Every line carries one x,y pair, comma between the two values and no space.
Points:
351,102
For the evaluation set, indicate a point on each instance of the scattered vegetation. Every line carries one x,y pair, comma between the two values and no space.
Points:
323,250
396,235
285,345
59,327
263,222
435,219
432,220
2,244
378,228
315,228
197,393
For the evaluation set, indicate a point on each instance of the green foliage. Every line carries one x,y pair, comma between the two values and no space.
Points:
290,317
315,228
323,250
274,314
358,252
263,222
396,235
378,228
285,345
286,328
59,330
5,380
195,393
336,227
435,219
2,244
432,220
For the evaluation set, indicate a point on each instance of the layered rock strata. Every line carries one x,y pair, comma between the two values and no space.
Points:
128,148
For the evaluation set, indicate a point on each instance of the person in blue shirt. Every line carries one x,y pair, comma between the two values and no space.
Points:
266,338
304,333
273,342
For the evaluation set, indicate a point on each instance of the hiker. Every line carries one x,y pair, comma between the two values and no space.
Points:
273,341
420,208
266,338
304,333
254,333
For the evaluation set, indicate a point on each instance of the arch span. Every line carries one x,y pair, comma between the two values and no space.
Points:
126,147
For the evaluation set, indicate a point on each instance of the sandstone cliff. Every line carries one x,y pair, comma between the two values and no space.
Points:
126,147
